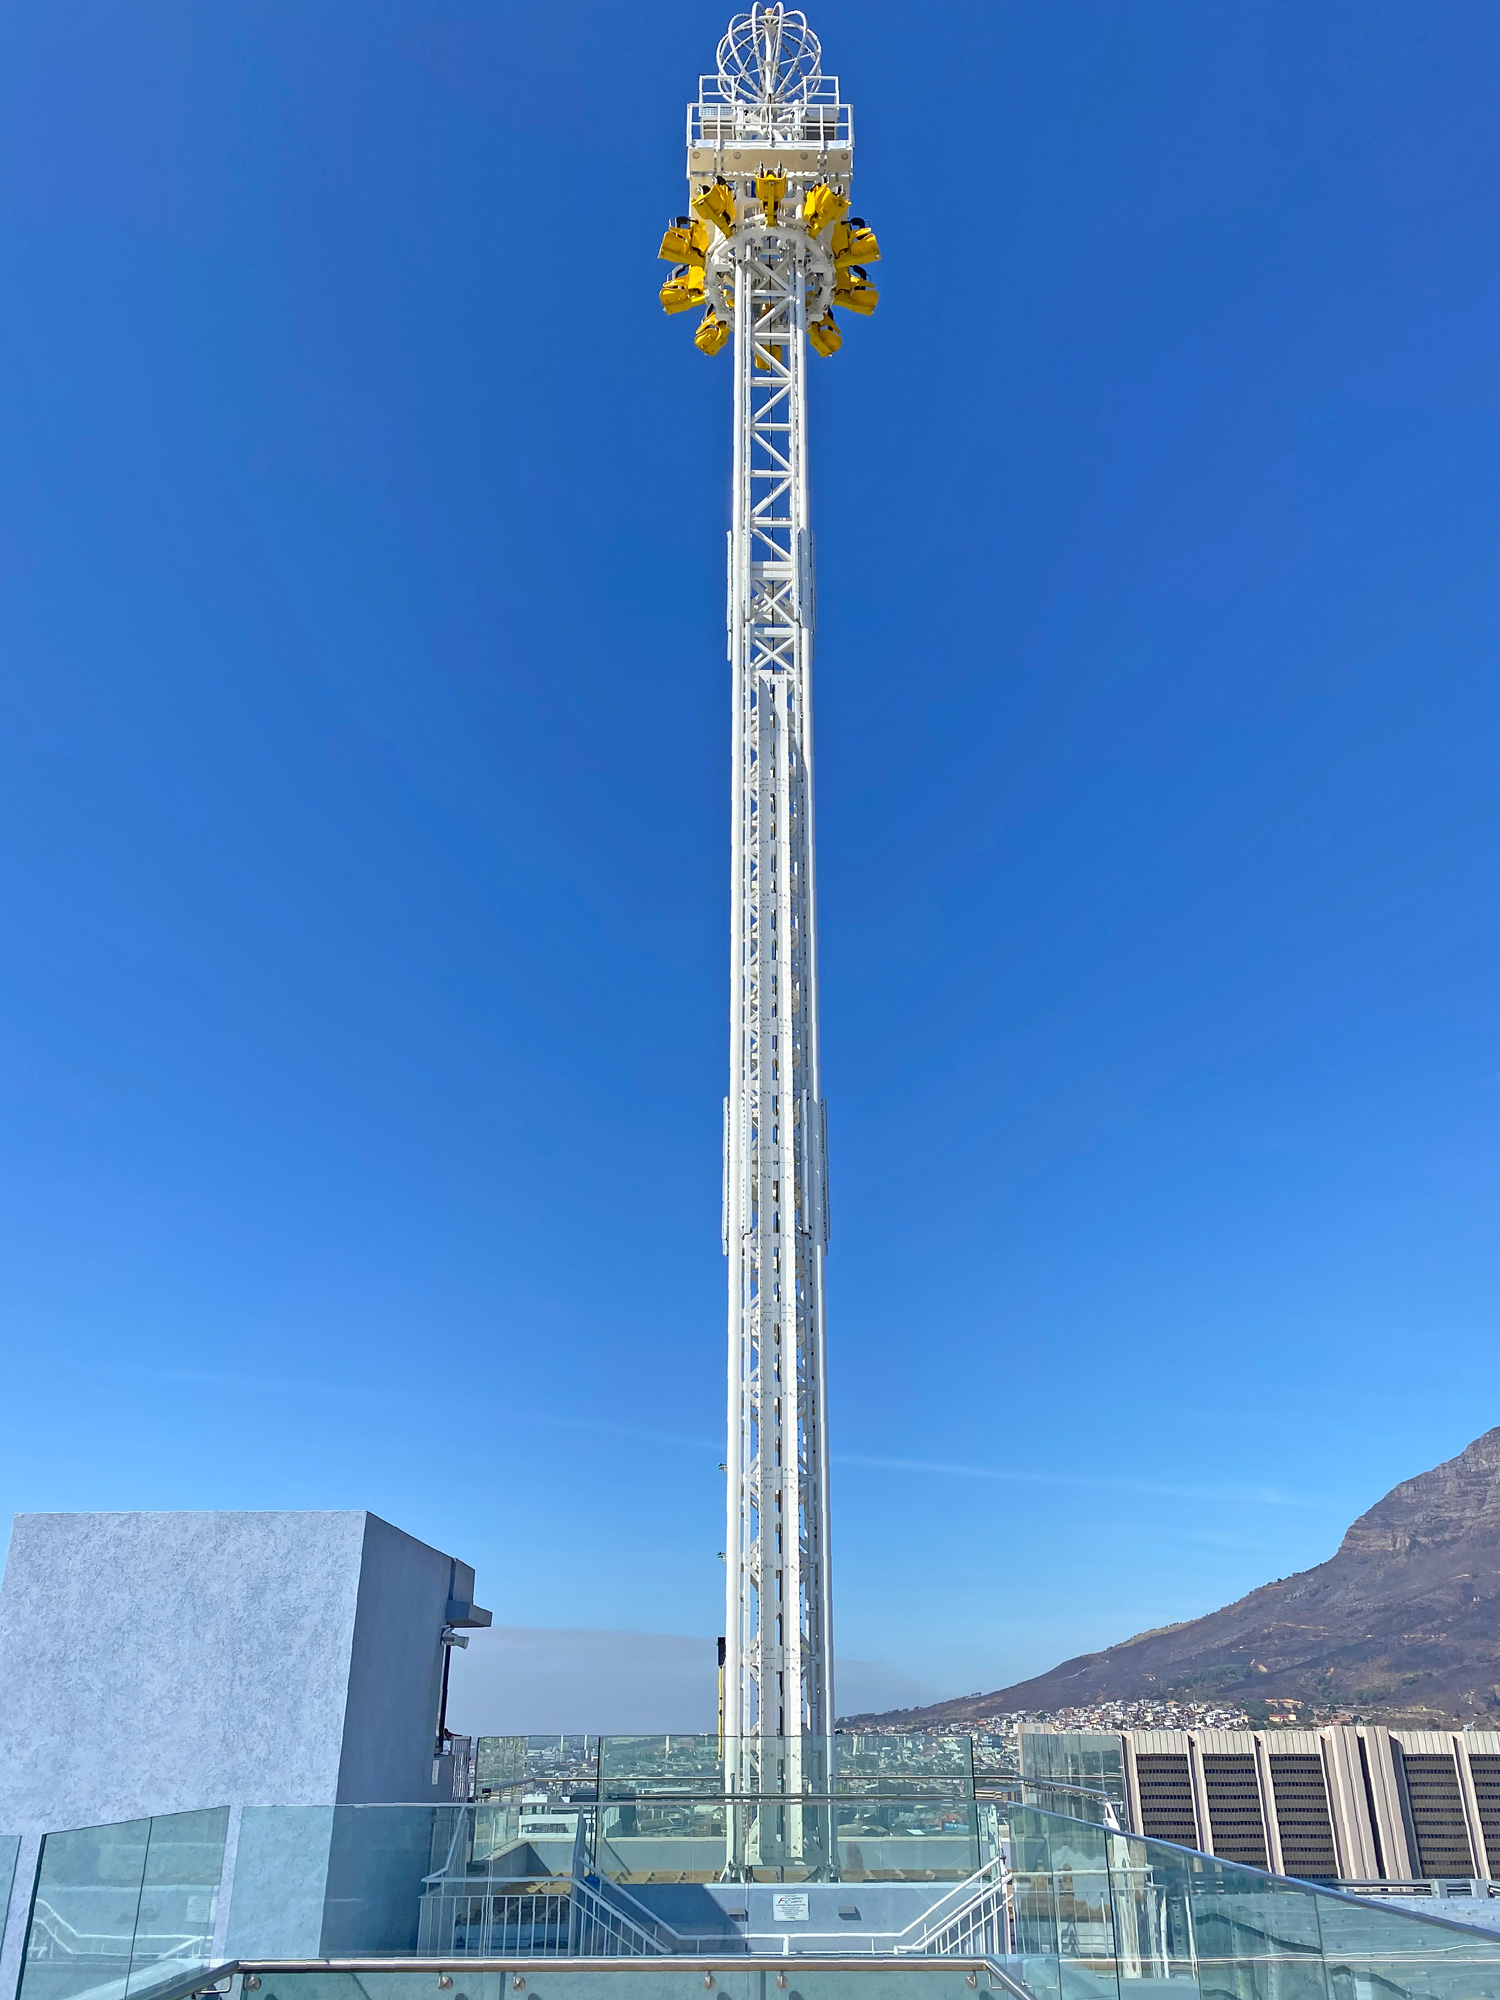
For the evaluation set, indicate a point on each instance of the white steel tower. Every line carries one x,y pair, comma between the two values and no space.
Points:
766,253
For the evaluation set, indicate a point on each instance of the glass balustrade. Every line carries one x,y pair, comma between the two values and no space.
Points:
10,1848
1088,1759
121,1910
786,1809
891,1860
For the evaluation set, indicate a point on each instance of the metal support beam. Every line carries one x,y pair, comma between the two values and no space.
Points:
778,1671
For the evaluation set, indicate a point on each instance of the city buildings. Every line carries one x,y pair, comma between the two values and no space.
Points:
1344,1803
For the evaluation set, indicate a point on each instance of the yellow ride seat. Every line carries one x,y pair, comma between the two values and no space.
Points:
770,190
711,333
855,291
687,241
821,206
824,335
683,290
715,204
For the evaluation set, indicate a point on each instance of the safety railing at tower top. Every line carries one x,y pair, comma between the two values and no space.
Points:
819,120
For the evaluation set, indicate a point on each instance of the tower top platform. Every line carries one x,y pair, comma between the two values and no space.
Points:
769,96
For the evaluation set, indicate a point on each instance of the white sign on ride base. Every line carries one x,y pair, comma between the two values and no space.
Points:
788,1908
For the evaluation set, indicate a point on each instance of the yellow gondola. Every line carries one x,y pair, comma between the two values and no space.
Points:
715,204
824,336
770,190
862,249
854,243
686,241
855,291
821,206
683,290
711,334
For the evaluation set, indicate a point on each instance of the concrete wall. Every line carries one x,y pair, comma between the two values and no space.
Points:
395,1668
155,1663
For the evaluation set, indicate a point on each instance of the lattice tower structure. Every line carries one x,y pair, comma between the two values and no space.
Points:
769,116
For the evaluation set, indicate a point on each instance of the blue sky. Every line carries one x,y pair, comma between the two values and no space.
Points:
365,766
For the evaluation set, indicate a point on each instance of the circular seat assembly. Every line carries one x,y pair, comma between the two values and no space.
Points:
809,225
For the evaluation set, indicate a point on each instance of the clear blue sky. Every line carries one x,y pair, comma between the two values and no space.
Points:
365,766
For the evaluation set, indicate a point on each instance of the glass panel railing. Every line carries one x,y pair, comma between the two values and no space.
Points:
351,1881
174,1925
994,1757
10,1848
1369,1950
936,1767
554,1764
1079,1909
1096,1910
663,1766
1067,1801
383,1862
83,1917
121,1910
1094,1761
499,1764
280,1882
648,1840
787,1840
939,1767
910,1841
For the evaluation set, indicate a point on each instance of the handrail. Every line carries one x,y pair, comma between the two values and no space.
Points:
906,1942
718,1961
187,1985
974,1884
621,1920
594,1885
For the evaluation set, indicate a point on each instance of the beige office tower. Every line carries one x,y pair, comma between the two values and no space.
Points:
1346,1803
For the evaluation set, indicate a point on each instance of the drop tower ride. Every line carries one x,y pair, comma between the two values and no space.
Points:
766,255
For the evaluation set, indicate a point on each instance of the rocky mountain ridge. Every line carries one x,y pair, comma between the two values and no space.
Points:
1403,1619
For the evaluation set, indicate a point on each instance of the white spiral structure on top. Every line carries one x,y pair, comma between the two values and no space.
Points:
769,56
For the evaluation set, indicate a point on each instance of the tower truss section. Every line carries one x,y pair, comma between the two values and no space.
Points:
766,254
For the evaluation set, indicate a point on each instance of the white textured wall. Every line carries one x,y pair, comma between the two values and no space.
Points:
154,1663
151,1663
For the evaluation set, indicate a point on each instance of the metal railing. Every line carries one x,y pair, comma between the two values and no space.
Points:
559,1916
977,1919
253,1973
1423,1885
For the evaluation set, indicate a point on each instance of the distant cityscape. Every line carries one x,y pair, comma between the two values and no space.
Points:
1109,1716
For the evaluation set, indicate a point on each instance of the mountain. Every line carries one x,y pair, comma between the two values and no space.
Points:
1403,1619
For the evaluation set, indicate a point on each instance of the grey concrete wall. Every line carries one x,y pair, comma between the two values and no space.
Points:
156,1663
152,1663
395,1669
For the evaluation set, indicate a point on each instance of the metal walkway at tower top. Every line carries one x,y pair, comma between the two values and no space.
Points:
766,253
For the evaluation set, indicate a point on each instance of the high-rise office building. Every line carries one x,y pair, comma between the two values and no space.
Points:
1345,1803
